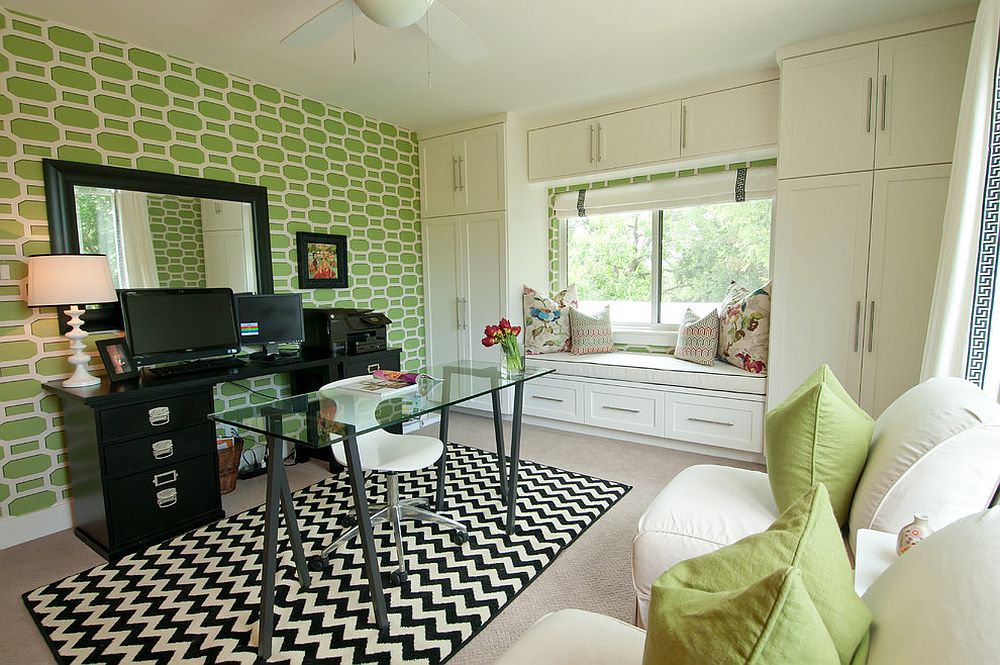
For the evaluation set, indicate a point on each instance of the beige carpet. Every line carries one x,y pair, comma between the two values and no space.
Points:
593,574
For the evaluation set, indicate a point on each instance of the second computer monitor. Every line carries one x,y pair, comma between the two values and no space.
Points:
270,320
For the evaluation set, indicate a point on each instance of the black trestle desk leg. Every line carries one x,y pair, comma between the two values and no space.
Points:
498,434
515,455
271,510
292,524
357,477
443,435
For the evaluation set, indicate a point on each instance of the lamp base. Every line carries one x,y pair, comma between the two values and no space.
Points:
76,334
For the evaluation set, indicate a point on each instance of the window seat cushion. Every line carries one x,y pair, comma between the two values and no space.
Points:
654,368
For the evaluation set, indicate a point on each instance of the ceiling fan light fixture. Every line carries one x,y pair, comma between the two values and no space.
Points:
394,13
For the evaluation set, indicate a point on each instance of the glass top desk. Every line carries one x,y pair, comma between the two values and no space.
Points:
334,414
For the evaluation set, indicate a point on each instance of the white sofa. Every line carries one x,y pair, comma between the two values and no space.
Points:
935,605
935,450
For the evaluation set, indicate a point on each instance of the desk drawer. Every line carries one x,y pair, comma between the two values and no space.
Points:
154,452
551,398
151,418
716,421
145,504
628,409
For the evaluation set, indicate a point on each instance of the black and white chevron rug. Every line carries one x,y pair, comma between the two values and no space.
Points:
194,599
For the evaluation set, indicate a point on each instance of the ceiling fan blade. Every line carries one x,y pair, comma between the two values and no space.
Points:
320,26
453,36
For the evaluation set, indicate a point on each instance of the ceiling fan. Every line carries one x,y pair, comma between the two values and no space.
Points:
441,25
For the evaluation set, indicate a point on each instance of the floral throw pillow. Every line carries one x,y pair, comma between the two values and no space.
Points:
546,320
698,338
744,324
592,334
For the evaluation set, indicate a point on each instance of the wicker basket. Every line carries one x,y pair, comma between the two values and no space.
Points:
229,465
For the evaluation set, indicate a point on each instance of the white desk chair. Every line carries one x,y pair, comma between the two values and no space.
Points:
392,454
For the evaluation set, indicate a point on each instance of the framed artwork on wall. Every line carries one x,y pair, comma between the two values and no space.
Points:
117,359
322,260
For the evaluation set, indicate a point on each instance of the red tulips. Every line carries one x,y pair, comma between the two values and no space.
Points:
505,335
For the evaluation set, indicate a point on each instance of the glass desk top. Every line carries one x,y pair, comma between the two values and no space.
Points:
330,414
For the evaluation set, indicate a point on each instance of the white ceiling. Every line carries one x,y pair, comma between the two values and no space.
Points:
544,53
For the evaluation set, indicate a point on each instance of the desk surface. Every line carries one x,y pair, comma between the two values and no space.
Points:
320,418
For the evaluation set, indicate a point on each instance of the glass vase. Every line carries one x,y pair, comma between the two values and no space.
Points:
512,360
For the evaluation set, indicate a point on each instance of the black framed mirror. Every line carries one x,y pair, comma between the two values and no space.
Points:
158,230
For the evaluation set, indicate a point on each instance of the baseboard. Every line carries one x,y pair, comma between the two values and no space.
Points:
21,529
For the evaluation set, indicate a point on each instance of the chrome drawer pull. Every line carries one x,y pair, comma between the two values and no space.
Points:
373,367
620,408
166,498
547,399
159,415
163,449
164,478
712,422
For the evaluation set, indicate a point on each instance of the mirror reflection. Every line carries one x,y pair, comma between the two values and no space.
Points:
168,241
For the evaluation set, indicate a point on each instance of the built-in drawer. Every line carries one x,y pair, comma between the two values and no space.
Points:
716,421
163,450
150,418
552,398
369,362
151,502
628,409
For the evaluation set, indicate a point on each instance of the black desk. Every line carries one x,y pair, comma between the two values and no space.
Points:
142,453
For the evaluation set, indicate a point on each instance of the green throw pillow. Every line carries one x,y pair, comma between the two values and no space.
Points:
805,538
817,435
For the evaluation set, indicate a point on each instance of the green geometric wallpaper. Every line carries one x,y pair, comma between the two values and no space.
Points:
178,245
73,95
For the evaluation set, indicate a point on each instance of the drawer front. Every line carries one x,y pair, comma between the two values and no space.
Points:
154,452
723,422
366,364
627,409
148,503
151,418
560,400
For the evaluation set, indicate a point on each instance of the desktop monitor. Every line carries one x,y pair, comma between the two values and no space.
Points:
172,325
270,320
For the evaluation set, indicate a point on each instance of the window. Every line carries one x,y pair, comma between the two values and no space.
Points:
652,265
99,227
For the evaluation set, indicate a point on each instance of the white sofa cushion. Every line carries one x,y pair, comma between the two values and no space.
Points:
935,450
575,637
703,508
653,368
938,602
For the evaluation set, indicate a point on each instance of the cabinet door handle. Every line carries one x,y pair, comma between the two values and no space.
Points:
871,326
684,126
166,498
620,408
454,173
159,416
712,422
164,478
600,132
868,122
163,449
591,150
857,326
461,174
547,399
885,98
373,367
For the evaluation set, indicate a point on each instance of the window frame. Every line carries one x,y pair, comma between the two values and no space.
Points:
656,332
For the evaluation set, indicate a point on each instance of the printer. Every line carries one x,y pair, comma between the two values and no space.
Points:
345,331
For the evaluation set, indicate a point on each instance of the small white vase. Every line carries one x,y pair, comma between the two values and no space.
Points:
913,533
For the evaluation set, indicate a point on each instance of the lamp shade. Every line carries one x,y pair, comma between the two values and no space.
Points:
69,279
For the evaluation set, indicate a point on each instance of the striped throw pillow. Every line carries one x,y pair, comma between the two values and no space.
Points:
591,334
698,338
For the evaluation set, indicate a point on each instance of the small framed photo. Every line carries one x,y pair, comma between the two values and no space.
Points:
117,359
322,260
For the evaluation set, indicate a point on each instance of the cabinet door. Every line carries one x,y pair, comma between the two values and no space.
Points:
920,89
562,150
438,177
481,172
443,275
484,283
907,218
827,112
226,262
640,136
820,254
730,120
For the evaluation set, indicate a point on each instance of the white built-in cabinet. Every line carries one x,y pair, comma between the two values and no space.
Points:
730,120
227,235
882,104
462,172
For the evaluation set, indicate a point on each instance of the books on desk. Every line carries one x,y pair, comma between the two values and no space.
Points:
380,387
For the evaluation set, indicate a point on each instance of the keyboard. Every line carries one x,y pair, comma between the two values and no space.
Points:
210,365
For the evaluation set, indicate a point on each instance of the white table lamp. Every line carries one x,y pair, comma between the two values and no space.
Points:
74,280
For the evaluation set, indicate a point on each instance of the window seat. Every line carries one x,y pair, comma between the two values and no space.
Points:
656,368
